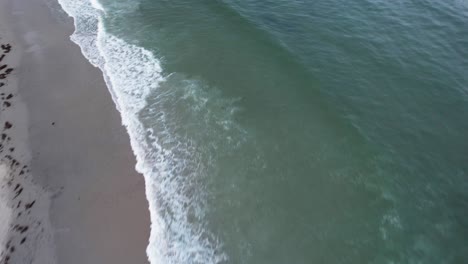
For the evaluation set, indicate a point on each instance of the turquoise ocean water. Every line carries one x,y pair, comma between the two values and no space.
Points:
292,131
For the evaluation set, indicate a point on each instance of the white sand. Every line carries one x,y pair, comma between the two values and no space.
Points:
67,130
25,231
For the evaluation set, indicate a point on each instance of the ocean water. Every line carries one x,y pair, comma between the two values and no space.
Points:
292,131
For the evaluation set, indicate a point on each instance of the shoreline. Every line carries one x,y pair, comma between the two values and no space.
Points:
80,152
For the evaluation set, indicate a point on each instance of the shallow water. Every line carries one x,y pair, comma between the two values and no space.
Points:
292,131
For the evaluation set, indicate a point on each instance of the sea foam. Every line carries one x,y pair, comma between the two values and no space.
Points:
131,74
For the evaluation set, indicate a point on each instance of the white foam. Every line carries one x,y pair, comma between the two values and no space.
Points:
97,5
132,73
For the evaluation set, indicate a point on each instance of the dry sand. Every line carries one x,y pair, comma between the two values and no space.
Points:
73,141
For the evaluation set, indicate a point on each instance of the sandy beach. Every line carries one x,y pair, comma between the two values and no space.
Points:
82,200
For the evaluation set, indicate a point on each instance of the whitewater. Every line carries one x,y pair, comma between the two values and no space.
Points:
290,131
131,74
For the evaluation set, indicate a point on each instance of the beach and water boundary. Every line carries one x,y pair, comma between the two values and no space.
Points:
315,132
82,168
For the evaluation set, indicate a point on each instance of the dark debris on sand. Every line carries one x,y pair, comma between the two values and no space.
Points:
4,72
17,238
29,205
8,125
6,48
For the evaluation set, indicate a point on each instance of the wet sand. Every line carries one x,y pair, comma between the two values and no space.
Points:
74,144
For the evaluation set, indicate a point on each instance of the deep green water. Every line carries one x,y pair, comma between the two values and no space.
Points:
300,131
